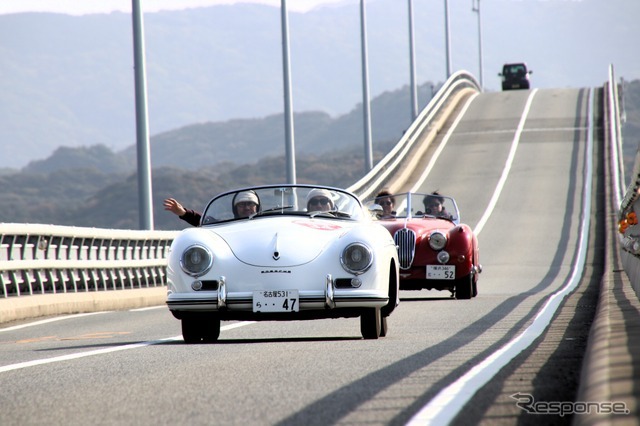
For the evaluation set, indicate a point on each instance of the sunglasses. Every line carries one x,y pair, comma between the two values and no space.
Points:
386,203
318,201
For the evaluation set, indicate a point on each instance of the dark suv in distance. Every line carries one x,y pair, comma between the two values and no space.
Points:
515,76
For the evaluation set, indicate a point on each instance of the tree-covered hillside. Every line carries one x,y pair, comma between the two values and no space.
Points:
87,197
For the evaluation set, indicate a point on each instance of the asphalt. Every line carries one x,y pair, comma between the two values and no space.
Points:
611,366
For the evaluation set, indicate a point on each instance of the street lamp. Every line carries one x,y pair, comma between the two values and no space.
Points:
142,120
288,98
366,106
446,37
412,65
475,7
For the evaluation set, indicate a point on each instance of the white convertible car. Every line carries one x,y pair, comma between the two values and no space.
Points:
286,252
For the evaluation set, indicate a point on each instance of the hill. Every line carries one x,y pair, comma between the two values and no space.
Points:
243,141
91,198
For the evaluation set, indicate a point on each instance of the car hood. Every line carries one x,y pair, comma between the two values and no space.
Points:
282,242
418,225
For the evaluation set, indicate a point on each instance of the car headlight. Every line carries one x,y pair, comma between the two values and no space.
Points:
196,260
356,258
437,240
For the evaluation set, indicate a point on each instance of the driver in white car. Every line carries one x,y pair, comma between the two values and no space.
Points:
319,200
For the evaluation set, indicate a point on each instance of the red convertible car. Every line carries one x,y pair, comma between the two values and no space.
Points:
435,250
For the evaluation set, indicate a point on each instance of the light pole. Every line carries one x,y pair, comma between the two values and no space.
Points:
412,65
475,7
447,37
366,107
142,118
288,109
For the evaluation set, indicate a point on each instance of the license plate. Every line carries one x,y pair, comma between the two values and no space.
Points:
441,272
275,301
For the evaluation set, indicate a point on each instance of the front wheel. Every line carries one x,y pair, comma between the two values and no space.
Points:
191,330
384,328
464,287
370,323
198,328
212,329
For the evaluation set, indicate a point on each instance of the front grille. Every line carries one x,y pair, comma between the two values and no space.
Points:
405,240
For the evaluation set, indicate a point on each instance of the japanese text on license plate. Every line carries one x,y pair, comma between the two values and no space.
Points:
441,272
275,301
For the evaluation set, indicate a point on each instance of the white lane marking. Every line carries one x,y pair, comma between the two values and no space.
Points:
449,402
149,308
61,358
507,166
46,321
64,317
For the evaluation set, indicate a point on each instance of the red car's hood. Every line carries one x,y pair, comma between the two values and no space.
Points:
419,225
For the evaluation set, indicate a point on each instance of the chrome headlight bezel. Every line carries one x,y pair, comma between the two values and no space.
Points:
437,240
356,258
196,260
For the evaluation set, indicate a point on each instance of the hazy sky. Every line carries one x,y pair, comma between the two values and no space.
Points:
81,7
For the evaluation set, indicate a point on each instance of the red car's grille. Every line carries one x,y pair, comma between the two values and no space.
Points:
405,240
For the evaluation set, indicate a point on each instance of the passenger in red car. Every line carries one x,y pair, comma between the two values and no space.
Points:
388,202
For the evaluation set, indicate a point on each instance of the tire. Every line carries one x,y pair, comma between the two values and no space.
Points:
370,322
393,293
464,287
211,329
384,328
191,330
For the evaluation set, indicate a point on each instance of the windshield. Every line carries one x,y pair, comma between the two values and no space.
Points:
300,200
413,204
515,69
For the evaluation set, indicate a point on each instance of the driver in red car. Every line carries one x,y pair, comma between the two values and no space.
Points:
434,205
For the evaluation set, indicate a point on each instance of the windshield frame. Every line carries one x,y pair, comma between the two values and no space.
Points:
411,205
284,200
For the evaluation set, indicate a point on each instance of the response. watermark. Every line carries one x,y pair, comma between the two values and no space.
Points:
528,403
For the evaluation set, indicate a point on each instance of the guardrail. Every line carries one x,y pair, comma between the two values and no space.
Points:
47,259
42,259
432,116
